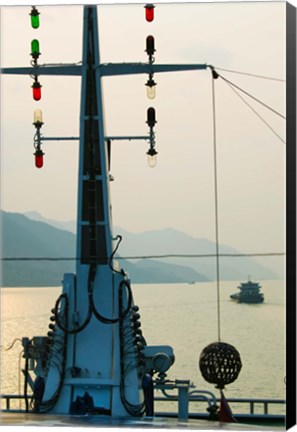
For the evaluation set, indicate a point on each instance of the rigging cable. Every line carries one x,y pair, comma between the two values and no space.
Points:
264,121
251,74
251,96
214,77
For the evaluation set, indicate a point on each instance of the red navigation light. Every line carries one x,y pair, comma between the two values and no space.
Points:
151,117
38,158
36,90
150,45
149,12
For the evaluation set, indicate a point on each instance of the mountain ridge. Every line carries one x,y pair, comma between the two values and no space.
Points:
41,236
64,225
26,238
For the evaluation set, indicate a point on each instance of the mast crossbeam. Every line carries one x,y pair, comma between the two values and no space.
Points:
110,69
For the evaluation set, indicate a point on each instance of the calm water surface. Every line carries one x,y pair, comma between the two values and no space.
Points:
183,316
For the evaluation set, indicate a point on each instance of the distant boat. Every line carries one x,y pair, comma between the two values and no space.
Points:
249,293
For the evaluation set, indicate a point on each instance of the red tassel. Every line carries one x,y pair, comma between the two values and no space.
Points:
225,413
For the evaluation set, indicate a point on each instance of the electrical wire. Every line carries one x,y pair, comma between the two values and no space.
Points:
119,238
155,256
122,314
137,409
47,405
12,344
212,255
59,322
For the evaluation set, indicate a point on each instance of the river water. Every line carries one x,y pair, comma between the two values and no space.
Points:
181,315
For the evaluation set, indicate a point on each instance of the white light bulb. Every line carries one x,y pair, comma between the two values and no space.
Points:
152,160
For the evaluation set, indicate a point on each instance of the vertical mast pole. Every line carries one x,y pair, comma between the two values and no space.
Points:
93,221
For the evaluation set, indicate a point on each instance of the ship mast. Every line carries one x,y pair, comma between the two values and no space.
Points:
96,359
94,219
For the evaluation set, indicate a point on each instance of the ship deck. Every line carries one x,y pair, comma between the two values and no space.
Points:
44,420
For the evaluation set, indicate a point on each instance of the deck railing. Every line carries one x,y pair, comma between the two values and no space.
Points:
201,403
264,402
243,409
6,398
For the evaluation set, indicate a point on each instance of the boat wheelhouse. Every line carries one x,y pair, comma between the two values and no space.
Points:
249,293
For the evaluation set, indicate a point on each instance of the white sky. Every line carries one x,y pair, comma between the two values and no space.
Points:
179,192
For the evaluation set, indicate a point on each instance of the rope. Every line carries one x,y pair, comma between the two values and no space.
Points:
214,76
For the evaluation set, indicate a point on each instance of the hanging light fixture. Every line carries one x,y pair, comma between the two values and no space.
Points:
151,88
152,157
36,90
35,52
38,158
38,122
34,17
150,84
151,153
150,45
151,117
149,12
38,118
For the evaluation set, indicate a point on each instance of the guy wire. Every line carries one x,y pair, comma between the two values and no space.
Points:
214,76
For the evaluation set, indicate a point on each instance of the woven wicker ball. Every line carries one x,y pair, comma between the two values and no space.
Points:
220,364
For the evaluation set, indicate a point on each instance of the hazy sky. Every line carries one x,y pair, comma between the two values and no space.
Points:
248,37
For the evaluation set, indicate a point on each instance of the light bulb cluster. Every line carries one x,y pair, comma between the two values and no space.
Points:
37,138
151,153
36,88
35,53
151,89
150,84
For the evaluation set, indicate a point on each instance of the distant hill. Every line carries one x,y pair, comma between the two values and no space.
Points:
173,242
25,238
170,241
151,271
36,236
65,225
21,237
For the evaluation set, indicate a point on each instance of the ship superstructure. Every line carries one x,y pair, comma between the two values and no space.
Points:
249,292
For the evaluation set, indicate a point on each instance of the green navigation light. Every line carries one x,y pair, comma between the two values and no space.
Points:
35,53
34,17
